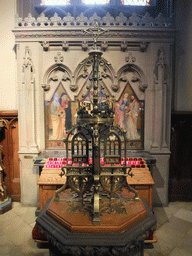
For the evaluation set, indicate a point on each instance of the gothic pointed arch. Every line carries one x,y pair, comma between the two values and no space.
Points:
59,109
129,109
55,74
134,75
83,73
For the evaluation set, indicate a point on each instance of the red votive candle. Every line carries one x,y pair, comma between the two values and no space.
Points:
75,164
117,164
85,164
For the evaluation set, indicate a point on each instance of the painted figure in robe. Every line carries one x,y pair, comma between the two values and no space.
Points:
58,116
66,106
121,110
131,118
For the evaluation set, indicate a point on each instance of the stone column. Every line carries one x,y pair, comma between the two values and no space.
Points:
28,148
160,147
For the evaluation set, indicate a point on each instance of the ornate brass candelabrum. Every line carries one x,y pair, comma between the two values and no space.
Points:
96,151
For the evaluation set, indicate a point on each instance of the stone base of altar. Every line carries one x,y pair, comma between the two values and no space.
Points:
99,241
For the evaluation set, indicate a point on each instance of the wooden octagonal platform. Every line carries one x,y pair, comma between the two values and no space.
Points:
115,222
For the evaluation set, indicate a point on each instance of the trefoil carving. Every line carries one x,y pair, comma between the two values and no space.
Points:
130,58
59,58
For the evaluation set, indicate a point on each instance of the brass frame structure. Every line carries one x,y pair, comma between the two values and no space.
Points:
95,137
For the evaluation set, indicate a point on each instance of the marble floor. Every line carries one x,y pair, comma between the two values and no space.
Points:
174,231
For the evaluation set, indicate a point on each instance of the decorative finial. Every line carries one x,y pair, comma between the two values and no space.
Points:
95,31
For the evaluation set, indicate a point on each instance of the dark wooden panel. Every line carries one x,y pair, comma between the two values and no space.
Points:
180,172
10,141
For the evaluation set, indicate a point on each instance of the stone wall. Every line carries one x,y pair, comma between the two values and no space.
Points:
143,46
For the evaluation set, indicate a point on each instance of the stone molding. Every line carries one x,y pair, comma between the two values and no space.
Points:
114,37
70,27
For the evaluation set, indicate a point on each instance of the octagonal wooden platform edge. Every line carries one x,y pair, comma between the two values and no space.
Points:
109,222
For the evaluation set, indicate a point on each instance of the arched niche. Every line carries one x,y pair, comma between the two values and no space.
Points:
57,73
132,74
130,104
59,105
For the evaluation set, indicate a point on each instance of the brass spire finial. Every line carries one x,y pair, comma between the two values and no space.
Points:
95,31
